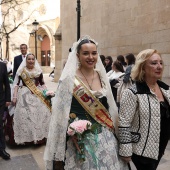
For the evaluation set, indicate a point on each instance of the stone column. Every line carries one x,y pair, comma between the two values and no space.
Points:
58,56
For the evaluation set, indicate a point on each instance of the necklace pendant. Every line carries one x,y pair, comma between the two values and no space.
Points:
90,85
153,89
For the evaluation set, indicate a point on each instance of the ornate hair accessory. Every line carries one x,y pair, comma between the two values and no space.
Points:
87,37
30,54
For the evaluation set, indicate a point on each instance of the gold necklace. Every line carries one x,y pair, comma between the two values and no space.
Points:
30,69
90,85
153,88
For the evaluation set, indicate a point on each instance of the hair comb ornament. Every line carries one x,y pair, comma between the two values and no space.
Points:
87,37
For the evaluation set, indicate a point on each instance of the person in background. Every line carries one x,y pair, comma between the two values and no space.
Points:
18,59
32,103
52,72
9,70
121,59
83,88
114,76
144,117
130,60
6,111
5,99
127,81
9,66
108,63
102,57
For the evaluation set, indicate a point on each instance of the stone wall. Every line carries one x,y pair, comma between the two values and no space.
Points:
120,26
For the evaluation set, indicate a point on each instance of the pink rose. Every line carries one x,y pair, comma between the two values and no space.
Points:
79,126
50,93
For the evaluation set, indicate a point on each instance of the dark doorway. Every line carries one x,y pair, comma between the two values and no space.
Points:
45,51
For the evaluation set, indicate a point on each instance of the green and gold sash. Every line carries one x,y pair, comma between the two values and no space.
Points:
92,105
30,84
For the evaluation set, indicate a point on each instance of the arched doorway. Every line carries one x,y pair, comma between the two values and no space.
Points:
45,46
45,51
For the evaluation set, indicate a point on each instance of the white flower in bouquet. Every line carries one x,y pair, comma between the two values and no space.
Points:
50,93
79,127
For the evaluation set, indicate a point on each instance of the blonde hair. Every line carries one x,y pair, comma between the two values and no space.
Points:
137,73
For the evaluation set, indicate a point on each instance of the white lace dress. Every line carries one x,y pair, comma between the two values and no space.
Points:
106,153
31,117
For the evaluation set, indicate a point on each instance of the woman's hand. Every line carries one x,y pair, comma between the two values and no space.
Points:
74,139
126,159
14,100
7,104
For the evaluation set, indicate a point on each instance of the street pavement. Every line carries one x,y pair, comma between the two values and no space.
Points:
31,157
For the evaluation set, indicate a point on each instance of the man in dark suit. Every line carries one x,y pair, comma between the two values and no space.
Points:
18,59
5,99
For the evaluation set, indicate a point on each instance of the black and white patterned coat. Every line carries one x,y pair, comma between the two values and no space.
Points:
139,120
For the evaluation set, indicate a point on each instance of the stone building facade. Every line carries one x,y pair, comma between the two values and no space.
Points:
119,26
48,24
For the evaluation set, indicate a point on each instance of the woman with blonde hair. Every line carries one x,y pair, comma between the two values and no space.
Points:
144,118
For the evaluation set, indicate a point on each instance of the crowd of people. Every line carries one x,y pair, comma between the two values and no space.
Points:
118,73
104,114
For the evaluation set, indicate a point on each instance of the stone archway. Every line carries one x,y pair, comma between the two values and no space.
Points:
45,46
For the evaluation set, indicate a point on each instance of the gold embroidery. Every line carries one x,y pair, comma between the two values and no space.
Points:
92,105
30,84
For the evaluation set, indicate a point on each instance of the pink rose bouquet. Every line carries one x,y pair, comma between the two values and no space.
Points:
77,130
47,94
79,127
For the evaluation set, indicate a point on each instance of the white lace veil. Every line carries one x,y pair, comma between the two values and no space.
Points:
56,143
37,67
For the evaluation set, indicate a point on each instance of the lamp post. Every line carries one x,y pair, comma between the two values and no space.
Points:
0,48
35,24
78,9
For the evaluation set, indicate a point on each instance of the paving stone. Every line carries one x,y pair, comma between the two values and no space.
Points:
23,162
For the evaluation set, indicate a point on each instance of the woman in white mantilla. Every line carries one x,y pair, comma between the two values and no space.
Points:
33,111
82,88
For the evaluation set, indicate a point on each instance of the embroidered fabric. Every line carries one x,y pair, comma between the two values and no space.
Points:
31,118
101,92
106,154
106,150
56,143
